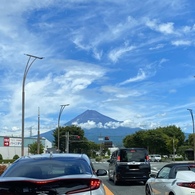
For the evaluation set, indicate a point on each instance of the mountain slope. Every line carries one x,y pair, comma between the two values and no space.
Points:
91,115
115,134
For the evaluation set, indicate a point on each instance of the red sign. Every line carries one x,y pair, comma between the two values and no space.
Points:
6,141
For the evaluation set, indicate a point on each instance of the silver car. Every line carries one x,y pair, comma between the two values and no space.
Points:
52,174
172,179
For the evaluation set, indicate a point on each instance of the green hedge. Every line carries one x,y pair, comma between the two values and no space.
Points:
7,161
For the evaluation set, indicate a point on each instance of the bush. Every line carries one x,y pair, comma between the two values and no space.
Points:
16,157
1,157
98,159
7,161
177,159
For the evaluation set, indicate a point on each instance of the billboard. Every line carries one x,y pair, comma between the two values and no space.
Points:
12,141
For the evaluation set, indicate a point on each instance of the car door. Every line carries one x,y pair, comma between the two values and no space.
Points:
162,183
112,163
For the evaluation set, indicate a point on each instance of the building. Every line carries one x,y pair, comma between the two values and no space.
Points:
11,146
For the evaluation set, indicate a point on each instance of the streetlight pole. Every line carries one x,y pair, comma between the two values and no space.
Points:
61,110
191,112
27,68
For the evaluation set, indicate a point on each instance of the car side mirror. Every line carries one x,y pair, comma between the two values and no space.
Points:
153,175
101,172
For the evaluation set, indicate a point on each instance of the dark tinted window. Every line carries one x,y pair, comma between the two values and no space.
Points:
129,155
48,168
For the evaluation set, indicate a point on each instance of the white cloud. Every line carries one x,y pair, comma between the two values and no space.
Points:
140,76
97,54
165,28
109,125
181,42
159,46
117,53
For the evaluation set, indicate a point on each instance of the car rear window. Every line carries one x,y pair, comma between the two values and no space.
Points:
48,168
129,155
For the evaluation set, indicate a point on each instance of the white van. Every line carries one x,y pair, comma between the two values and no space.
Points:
155,157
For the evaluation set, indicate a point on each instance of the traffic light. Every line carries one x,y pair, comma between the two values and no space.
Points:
106,138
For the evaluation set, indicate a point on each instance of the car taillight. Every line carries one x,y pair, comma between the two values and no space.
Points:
118,158
187,184
93,185
147,158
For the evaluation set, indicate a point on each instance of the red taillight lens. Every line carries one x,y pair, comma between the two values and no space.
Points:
118,158
187,185
93,185
147,158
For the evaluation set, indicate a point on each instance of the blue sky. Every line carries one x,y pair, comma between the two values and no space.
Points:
131,60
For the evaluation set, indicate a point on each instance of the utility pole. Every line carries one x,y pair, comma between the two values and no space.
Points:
67,142
173,149
38,134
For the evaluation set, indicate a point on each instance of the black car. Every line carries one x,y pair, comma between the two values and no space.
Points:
129,164
52,174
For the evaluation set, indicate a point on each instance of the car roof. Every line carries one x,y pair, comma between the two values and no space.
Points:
132,148
178,164
175,167
55,156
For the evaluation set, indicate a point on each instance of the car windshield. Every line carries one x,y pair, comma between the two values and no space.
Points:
48,168
130,155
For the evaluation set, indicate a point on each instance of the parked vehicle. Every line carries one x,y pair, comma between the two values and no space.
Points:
175,156
155,157
52,174
129,164
172,179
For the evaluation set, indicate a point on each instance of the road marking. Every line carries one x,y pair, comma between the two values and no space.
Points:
108,192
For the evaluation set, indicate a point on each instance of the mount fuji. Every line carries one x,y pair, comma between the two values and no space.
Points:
97,126
91,115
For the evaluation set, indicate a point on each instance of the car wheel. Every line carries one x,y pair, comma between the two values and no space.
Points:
147,190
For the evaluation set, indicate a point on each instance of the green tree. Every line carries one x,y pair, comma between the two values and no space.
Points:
174,132
156,141
153,140
92,149
33,148
191,140
76,145
129,141
159,140
172,145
